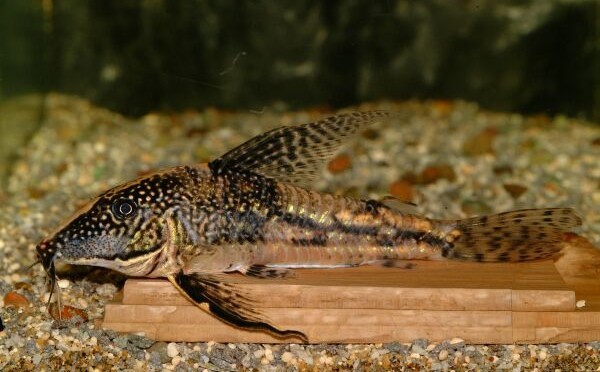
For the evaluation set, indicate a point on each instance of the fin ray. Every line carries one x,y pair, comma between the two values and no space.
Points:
516,236
227,302
295,154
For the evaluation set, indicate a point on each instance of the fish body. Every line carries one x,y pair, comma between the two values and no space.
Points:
250,211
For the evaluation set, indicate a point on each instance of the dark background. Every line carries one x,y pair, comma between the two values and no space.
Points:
141,56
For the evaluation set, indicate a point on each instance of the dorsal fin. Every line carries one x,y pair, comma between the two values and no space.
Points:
295,154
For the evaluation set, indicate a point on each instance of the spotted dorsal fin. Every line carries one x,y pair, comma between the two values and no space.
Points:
295,154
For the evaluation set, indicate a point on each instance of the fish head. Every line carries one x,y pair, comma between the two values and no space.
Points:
119,225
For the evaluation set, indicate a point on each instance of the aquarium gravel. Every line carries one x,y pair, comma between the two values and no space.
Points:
452,159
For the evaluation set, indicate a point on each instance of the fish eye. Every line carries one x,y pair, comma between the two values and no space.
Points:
123,208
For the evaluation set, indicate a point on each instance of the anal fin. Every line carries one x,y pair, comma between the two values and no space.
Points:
227,302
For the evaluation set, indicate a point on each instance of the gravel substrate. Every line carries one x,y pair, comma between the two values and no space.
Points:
451,158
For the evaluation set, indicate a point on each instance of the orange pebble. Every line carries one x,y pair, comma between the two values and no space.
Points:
402,190
339,164
12,298
67,312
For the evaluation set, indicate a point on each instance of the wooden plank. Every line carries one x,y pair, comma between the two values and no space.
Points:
298,318
553,327
318,334
450,286
537,300
160,292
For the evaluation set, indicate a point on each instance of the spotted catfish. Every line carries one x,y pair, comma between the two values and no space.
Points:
249,211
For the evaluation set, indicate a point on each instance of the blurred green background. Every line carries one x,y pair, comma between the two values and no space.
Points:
138,56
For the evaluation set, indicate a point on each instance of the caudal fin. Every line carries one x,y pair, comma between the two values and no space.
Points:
523,235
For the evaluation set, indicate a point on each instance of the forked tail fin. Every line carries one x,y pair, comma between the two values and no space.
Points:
523,235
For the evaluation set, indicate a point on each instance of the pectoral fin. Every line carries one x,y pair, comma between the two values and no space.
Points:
228,303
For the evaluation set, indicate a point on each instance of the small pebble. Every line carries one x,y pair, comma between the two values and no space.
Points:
287,357
436,172
64,283
13,298
339,164
259,353
23,285
67,312
106,289
580,304
482,143
443,355
456,340
176,360
543,354
172,349
269,355
515,190
402,190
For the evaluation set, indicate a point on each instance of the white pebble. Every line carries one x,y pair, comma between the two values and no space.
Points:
415,355
580,304
516,356
176,360
456,340
443,355
543,354
532,353
64,283
83,303
269,355
287,357
430,347
258,353
172,350
106,289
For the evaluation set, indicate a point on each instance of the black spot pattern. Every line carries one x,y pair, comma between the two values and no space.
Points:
98,231
515,236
